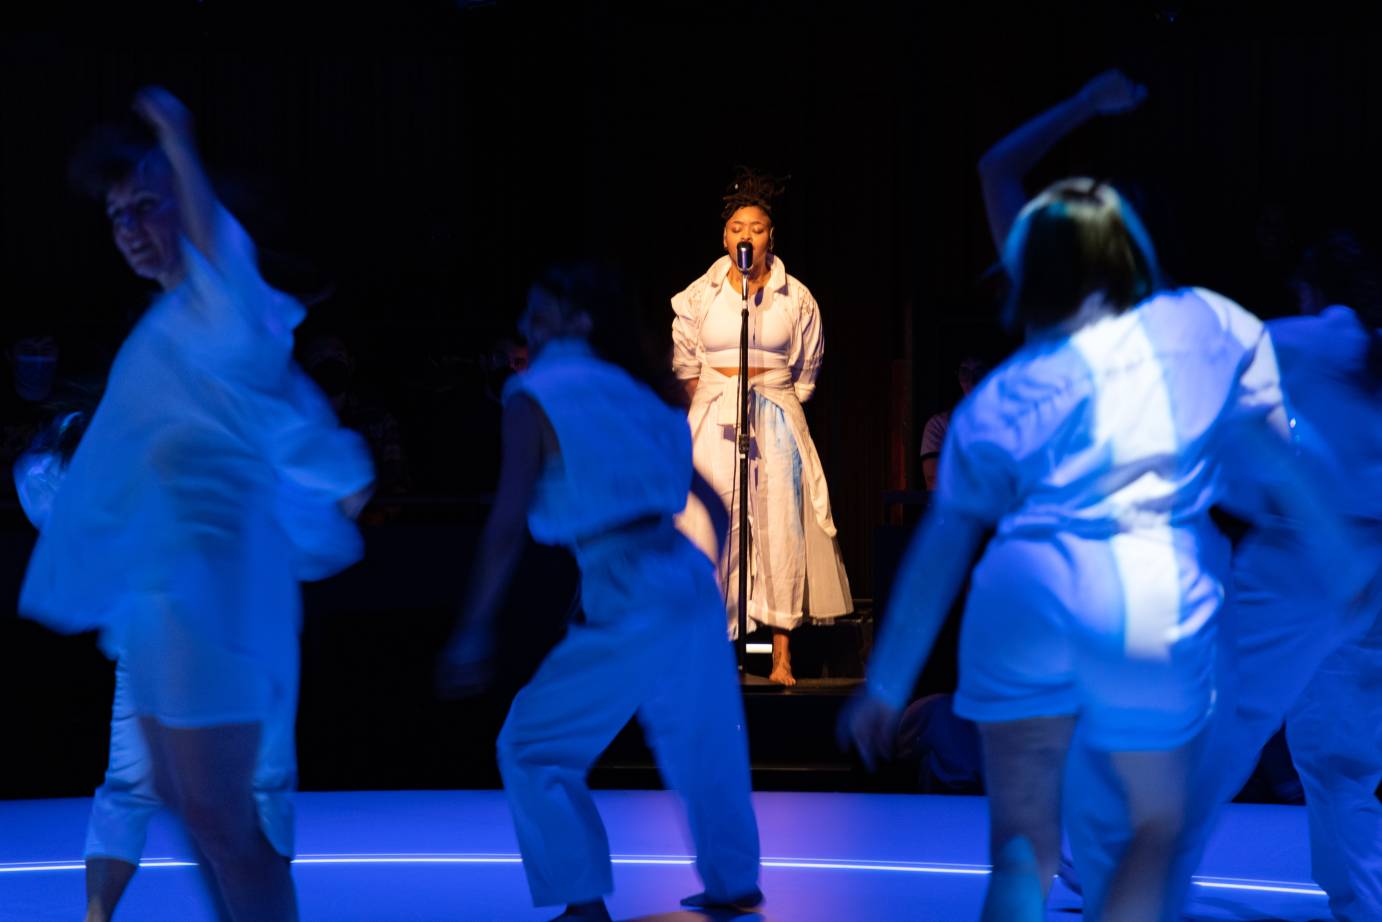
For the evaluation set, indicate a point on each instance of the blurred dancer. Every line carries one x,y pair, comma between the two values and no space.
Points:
116,168
212,478
1331,363
595,461
1096,602
1295,653
1287,649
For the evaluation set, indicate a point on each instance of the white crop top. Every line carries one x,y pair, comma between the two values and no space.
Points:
770,332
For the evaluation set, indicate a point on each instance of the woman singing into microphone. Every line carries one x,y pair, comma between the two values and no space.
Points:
794,567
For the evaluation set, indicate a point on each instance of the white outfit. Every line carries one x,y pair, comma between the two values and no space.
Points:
1098,594
796,567
123,805
1335,733
1297,653
1292,651
1097,455
126,801
651,643
204,489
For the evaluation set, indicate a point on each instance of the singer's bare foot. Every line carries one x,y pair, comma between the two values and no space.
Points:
782,660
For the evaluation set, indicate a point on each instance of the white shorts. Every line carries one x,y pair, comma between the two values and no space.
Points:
1118,632
184,677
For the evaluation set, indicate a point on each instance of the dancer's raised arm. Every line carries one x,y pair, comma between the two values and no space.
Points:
1004,165
171,122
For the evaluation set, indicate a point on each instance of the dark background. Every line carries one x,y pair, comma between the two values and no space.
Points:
427,159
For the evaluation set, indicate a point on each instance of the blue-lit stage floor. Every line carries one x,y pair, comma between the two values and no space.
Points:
417,856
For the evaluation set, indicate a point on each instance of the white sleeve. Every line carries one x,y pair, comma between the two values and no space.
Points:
808,348
978,475
309,447
318,463
687,353
248,325
1257,392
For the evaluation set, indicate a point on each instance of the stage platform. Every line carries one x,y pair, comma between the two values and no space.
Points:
446,856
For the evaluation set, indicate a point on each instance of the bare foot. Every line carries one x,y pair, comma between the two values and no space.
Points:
782,661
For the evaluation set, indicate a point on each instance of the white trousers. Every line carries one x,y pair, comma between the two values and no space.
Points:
125,802
777,513
1335,734
652,644
1287,655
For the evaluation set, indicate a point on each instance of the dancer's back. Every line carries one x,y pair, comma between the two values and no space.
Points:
596,462
1096,452
1111,428
623,454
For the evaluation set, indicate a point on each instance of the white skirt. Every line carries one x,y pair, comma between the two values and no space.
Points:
795,567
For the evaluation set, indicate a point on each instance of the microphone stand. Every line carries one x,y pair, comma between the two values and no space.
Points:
742,443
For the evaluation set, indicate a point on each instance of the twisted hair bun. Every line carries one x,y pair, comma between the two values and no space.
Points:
752,187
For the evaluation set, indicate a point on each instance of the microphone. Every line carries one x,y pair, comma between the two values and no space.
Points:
743,257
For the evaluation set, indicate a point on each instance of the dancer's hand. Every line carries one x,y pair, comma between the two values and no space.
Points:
1112,93
165,113
869,725
909,726
466,665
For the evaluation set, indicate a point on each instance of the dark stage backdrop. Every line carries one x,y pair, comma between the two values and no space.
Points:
428,159
431,169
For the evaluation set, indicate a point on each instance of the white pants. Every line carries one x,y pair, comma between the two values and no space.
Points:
777,513
1335,734
652,644
1287,654
125,802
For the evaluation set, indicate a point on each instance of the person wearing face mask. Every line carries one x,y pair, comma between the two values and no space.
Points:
795,569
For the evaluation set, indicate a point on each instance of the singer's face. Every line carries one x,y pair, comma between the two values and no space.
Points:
749,224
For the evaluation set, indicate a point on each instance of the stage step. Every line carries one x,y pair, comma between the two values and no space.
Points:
792,745
834,649
791,730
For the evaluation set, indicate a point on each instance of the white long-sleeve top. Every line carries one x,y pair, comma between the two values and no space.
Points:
787,312
1115,427
1110,442
211,452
